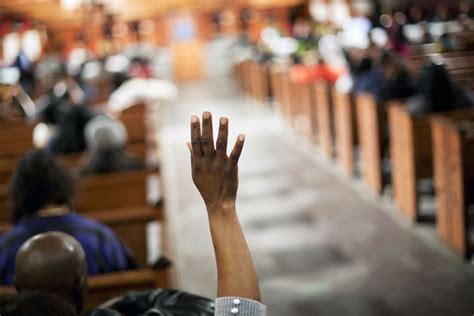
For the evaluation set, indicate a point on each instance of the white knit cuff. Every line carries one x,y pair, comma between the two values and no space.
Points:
238,306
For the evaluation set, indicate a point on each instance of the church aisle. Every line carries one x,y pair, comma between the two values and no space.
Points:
319,246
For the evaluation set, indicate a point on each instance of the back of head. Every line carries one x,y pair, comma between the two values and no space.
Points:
393,65
53,262
34,303
106,139
71,130
38,182
105,132
436,86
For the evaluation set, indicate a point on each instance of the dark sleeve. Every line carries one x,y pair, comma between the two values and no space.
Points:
102,312
166,301
117,255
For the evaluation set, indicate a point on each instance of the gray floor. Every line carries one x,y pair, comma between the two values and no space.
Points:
322,245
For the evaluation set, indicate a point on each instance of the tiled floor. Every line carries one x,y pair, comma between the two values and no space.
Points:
321,244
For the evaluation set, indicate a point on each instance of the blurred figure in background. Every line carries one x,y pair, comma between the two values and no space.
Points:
71,127
106,139
437,92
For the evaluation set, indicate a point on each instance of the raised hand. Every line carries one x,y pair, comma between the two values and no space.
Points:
214,173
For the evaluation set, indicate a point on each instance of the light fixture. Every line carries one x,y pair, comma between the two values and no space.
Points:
70,4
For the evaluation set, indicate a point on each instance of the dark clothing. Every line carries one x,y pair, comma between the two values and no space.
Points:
71,131
373,82
370,81
161,302
400,88
104,251
438,93
419,104
109,160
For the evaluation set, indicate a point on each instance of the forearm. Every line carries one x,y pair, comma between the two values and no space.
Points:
235,270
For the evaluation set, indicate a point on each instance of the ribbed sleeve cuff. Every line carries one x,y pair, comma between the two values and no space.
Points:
238,306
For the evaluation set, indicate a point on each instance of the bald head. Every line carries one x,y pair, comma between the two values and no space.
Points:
53,262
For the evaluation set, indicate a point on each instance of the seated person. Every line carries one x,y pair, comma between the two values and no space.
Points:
56,262
71,126
437,92
216,177
106,139
397,83
41,198
387,79
34,303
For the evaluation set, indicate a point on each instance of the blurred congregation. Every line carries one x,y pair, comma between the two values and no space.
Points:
356,183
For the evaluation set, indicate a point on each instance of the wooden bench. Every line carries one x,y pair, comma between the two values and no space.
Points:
453,150
107,286
135,150
370,127
276,85
411,154
306,107
16,138
7,166
286,94
325,120
128,223
109,191
259,82
120,201
345,127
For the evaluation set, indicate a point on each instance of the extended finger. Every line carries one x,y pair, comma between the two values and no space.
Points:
196,136
239,144
221,144
207,139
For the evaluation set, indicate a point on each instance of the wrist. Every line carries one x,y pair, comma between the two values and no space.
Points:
221,209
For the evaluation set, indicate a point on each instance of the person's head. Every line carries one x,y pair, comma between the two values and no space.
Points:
105,132
34,303
54,262
106,139
435,85
393,66
71,130
39,181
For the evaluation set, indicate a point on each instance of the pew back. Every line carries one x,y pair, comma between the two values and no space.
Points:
345,129
453,147
370,124
109,191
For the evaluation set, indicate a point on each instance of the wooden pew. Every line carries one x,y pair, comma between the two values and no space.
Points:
286,93
411,154
135,150
453,149
7,166
306,107
325,120
120,201
345,127
107,286
110,191
370,126
128,223
16,138
276,85
4,204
